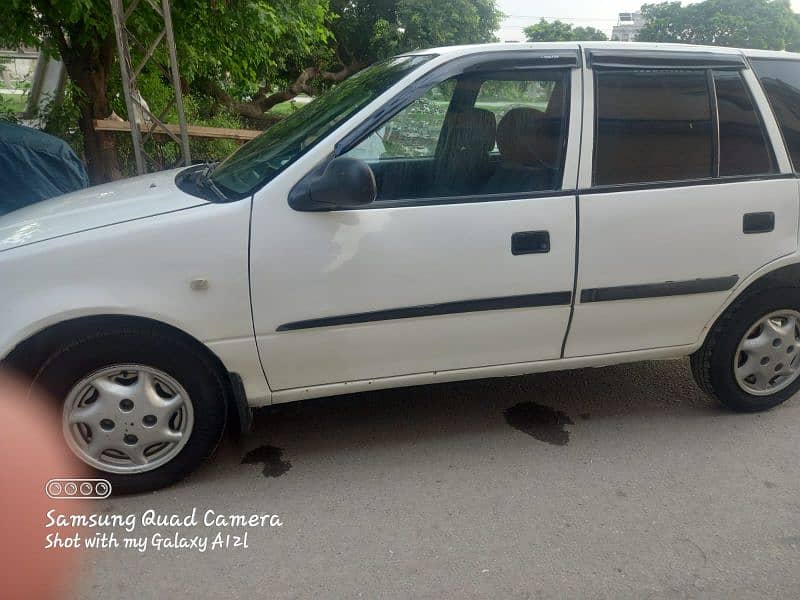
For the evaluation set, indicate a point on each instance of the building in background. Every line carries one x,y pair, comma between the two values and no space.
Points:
628,27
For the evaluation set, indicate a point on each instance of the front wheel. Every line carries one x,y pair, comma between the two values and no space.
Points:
751,359
141,408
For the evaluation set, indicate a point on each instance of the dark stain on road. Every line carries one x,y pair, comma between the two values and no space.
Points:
271,457
541,422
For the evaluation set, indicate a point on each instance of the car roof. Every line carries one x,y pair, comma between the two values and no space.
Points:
454,51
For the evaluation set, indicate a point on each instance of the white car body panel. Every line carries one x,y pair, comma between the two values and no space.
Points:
134,247
142,267
457,252
94,207
671,234
349,262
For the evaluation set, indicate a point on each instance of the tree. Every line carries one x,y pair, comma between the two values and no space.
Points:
765,24
247,55
558,31
365,31
235,40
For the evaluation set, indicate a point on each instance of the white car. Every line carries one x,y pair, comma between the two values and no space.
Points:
527,208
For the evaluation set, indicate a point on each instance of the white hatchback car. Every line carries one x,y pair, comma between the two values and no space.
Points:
455,213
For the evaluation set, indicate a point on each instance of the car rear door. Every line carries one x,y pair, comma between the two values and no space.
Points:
686,190
430,277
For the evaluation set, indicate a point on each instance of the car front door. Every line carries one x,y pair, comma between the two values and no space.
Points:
466,259
686,192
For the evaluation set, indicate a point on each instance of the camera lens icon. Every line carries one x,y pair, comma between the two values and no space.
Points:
54,489
78,489
102,489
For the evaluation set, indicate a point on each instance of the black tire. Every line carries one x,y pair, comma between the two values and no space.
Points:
182,360
712,365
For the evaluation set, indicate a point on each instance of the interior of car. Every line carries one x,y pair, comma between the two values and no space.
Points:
510,147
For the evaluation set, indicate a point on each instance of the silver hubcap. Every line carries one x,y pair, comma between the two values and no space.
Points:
768,357
127,419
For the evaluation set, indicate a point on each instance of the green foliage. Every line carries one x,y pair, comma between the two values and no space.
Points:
199,110
60,117
8,109
368,30
39,23
558,31
765,24
247,42
435,23
226,48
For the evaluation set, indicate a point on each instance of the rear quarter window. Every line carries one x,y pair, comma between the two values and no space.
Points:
781,81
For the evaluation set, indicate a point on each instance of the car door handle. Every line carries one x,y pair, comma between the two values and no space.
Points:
530,242
762,222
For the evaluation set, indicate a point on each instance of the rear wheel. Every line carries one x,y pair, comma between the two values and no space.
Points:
139,407
751,359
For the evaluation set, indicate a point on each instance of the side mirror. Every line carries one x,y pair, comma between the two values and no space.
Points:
345,182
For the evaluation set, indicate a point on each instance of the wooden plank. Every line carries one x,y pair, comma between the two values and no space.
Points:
194,130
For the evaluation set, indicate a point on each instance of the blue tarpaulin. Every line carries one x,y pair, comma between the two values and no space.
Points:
35,166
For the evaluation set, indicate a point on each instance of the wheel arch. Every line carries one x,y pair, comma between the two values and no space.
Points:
27,357
786,273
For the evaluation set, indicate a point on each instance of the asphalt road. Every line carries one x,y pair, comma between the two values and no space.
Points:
623,482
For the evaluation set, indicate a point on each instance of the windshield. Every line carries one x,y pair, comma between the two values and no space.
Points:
259,161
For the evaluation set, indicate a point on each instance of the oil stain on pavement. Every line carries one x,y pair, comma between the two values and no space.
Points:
272,459
541,422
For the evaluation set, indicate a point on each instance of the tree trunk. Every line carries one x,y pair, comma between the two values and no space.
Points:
89,71
263,100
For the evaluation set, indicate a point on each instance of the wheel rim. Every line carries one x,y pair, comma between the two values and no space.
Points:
767,359
127,419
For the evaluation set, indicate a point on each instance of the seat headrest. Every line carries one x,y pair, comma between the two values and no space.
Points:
526,136
472,129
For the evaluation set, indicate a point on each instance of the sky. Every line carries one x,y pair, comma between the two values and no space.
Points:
601,14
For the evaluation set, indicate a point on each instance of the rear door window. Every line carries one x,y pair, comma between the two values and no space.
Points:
652,126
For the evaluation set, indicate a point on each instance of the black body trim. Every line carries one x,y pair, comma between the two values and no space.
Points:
656,185
657,59
658,290
575,274
604,189
431,310
242,419
713,106
530,242
761,222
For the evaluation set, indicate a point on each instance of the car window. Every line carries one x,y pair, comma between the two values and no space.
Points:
500,97
781,81
743,145
652,126
475,135
259,161
414,133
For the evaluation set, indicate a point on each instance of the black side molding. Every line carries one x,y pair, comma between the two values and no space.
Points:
430,310
657,290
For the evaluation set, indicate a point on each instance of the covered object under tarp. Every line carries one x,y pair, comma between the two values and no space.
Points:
35,166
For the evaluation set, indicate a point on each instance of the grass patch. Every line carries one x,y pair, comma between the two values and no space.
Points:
14,102
284,109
